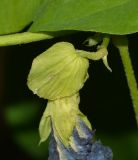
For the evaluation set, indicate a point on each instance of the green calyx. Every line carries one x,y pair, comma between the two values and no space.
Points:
62,114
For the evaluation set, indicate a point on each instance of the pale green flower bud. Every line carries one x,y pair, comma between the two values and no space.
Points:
58,72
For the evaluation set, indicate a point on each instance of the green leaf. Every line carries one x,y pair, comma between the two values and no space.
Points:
58,72
114,17
17,14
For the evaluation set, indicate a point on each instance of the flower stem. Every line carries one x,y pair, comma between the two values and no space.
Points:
102,51
122,45
100,54
22,38
93,55
106,40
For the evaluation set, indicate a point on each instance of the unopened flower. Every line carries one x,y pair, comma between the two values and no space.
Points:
57,75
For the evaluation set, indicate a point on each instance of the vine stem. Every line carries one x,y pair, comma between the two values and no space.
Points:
101,53
106,40
22,38
93,55
122,45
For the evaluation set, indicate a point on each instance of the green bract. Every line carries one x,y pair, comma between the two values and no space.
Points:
61,115
44,127
58,72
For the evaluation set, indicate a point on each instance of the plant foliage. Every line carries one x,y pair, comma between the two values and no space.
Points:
113,17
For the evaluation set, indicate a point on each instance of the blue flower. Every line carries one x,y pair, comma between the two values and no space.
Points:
82,146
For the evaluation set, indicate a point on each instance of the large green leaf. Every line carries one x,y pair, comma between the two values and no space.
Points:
16,14
114,17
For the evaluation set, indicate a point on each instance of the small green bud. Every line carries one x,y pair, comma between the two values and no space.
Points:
93,40
58,72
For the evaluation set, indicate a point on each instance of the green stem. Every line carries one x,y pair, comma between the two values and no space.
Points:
122,44
106,40
93,55
102,50
22,38
100,54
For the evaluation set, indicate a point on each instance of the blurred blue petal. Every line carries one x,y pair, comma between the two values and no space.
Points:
80,148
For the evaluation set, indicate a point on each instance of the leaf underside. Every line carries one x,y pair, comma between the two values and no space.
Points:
15,15
113,17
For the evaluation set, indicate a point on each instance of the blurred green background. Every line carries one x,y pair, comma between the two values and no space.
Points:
104,99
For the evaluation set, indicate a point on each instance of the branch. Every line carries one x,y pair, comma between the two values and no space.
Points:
22,38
